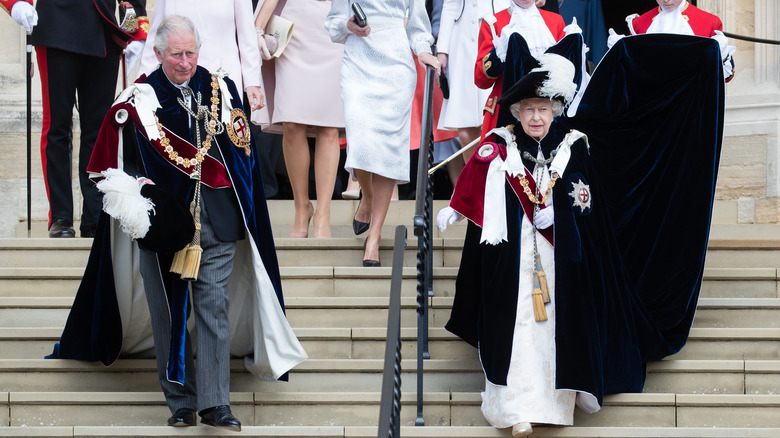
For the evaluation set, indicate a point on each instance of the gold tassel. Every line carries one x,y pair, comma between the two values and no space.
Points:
539,313
542,278
186,261
191,262
177,265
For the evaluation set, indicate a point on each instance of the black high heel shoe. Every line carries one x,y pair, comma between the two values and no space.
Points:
368,263
359,227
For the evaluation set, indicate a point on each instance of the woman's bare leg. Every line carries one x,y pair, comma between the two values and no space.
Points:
326,162
382,192
297,159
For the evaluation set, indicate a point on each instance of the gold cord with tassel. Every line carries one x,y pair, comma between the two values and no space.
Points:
186,261
541,292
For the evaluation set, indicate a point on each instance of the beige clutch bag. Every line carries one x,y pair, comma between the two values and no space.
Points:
281,29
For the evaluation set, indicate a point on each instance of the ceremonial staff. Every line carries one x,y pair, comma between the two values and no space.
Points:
28,73
451,157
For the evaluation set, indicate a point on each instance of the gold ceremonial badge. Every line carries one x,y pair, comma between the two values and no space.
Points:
238,130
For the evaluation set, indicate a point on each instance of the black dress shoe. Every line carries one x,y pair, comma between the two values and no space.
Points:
220,416
371,263
61,228
182,417
357,226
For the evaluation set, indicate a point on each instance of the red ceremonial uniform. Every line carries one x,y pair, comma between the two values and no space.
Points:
8,4
78,44
702,23
484,75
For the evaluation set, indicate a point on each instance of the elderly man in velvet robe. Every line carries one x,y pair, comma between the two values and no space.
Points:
182,129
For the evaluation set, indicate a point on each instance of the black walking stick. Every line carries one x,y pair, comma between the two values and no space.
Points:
28,73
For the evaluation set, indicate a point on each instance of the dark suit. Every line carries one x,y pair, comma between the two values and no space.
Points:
78,45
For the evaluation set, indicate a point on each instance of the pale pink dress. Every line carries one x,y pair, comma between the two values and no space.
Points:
303,82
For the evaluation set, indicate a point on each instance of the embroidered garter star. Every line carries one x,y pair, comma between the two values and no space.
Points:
581,195
238,130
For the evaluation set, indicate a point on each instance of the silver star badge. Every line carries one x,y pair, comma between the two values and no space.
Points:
581,195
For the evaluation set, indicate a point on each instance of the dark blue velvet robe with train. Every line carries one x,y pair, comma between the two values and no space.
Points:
627,273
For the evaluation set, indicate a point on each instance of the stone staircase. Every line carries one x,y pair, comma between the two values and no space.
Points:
724,383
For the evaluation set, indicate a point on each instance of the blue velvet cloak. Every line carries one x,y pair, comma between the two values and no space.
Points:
93,331
628,270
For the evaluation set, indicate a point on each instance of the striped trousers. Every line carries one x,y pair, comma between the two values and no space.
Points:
207,384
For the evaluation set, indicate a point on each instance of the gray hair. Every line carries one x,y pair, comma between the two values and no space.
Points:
175,24
557,108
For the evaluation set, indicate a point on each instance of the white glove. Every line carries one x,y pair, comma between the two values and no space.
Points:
501,43
723,41
572,28
24,14
447,216
613,38
726,52
544,218
133,54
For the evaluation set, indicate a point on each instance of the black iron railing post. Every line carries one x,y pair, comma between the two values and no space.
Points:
423,231
390,407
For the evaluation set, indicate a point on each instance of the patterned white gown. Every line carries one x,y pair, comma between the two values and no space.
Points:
378,79
530,395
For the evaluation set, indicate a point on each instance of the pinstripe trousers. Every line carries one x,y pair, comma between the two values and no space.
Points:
207,384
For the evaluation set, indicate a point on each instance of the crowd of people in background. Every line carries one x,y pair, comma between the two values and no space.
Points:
294,95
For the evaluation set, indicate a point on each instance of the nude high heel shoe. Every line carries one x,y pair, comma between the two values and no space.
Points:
522,429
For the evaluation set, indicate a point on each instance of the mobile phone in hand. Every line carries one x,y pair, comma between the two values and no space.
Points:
360,16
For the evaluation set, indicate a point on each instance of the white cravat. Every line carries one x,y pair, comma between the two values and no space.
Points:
528,22
671,22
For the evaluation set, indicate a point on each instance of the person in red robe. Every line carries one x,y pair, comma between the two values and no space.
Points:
540,28
681,17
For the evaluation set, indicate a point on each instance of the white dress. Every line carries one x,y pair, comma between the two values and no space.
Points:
378,79
530,395
458,37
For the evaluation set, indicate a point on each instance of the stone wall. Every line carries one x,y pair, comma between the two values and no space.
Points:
749,172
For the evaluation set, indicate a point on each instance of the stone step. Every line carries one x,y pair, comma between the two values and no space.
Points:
341,251
362,409
368,312
322,281
737,246
338,375
328,281
371,432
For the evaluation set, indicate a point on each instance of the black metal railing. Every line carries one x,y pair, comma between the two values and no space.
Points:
424,231
390,407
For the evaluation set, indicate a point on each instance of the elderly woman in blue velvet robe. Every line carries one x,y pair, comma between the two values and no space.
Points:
624,256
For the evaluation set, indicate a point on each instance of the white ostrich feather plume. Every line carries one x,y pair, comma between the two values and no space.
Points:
560,80
122,200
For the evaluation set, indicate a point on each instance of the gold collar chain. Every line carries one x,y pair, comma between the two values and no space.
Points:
524,181
212,128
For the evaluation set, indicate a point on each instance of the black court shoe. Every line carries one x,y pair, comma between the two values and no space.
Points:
357,226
